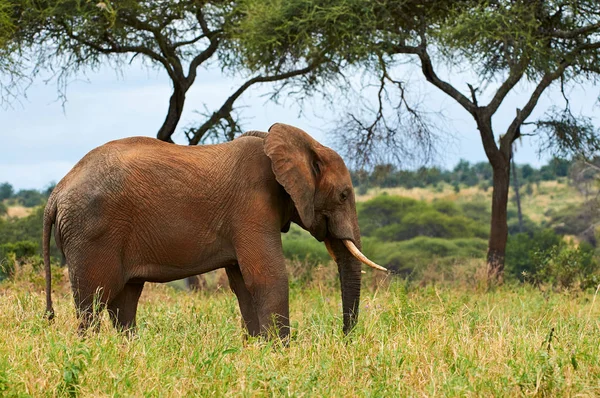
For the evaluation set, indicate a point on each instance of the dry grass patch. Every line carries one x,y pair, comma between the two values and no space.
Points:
18,211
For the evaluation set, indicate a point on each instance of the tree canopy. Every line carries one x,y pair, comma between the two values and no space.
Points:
68,37
503,42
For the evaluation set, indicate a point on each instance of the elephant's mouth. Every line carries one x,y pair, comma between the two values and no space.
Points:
355,253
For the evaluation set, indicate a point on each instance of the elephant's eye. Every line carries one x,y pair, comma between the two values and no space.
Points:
344,195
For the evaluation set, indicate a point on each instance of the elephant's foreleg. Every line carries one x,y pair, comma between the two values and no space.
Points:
123,308
249,315
266,278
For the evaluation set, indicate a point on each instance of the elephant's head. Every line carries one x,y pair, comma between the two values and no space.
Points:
320,186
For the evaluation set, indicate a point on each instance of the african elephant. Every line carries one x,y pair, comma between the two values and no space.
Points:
140,210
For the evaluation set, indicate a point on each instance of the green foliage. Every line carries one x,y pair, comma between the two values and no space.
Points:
24,197
20,249
394,218
410,257
26,229
6,191
565,266
384,211
30,197
300,245
10,253
545,258
576,220
3,209
521,248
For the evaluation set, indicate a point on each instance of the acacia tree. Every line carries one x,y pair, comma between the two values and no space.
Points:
67,37
505,43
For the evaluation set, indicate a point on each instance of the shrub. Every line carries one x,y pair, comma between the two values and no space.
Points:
385,210
565,267
300,245
394,218
20,249
11,253
545,258
410,257
479,211
446,207
520,250
29,197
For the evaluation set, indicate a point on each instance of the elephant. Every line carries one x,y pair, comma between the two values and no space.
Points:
139,210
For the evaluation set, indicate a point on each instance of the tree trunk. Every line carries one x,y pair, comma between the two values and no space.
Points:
499,227
517,196
173,115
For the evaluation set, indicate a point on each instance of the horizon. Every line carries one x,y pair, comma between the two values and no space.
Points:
450,169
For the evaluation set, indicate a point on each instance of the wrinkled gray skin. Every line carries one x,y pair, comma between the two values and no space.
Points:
140,210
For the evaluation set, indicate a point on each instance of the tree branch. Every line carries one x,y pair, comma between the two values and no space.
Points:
547,79
225,110
516,73
117,48
571,34
167,50
431,76
447,88
199,59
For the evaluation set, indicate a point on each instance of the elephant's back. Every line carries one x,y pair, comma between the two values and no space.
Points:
131,173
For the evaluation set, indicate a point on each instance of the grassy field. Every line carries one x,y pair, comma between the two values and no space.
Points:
410,341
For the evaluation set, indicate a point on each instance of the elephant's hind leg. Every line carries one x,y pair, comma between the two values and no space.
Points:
94,286
90,300
249,315
123,308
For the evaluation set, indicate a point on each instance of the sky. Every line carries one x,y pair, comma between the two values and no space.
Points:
41,138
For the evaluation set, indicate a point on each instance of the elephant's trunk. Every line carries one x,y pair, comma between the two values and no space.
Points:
349,258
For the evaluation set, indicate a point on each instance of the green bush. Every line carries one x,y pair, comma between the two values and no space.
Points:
520,250
545,258
446,207
21,249
411,256
385,210
300,245
30,197
12,252
3,209
26,229
394,218
565,266
479,211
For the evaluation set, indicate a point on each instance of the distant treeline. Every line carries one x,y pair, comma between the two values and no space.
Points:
465,174
24,197
385,176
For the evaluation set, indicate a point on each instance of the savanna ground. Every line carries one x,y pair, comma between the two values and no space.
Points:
445,340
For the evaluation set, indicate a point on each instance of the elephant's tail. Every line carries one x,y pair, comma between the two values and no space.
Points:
49,220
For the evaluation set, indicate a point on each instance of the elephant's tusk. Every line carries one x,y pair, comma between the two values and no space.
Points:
329,249
361,257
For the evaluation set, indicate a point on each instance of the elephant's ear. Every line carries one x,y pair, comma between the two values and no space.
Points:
296,166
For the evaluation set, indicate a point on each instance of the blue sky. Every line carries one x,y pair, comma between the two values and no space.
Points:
40,139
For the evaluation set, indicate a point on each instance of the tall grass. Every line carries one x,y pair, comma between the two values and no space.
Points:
410,341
